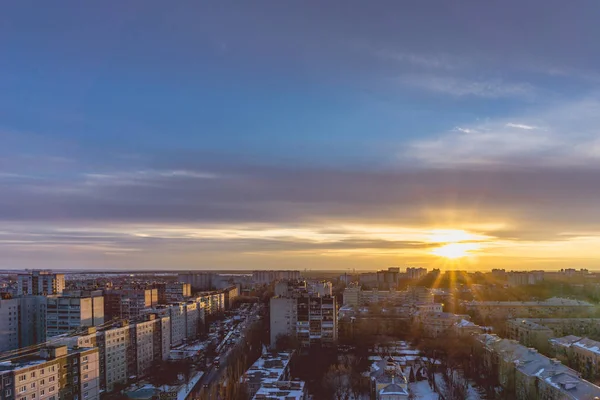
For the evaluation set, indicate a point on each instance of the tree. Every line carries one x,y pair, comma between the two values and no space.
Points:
337,382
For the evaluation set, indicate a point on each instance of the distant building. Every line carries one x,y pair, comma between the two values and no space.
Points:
269,276
290,288
352,296
73,310
553,307
52,374
198,280
389,277
523,278
416,273
438,324
40,283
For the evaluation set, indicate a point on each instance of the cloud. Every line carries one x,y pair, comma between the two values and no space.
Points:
464,87
521,126
571,137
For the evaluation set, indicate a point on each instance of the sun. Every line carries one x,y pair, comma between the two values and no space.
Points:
455,250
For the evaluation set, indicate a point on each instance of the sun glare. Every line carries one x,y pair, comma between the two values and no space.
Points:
455,250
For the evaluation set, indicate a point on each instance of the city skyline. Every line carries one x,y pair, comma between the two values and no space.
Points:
300,136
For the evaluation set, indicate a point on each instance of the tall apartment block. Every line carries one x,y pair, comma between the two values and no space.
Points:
9,325
54,373
311,319
129,303
73,310
40,283
32,320
173,292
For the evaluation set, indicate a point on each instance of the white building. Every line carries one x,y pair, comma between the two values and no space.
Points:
522,278
192,318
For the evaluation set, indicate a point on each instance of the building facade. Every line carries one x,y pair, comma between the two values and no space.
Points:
40,283
70,312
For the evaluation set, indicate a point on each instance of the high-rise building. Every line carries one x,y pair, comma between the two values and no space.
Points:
523,278
198,280
9,325
311,319
415,273
52,374
173,292
73,310
129,303
40,283
32,320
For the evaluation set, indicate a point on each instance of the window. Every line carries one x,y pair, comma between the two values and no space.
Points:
8,392
51,389
85,376
51,379
42,371
33,396
33,385
42,392
33,374
85,385
22,378
23,389
85,395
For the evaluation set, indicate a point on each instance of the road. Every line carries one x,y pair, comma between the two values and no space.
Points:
213,375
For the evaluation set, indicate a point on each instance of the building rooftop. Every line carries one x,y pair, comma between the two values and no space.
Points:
554,301
269,368
282,390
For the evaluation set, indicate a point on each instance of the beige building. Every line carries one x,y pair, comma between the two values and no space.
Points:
583,354
525,374
72,311
438,324
523,278
529,333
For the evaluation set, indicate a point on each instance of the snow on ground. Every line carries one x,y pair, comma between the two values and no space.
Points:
423,391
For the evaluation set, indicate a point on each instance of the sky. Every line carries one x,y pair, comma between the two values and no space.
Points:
301,134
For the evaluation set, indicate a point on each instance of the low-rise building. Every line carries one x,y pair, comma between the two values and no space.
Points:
282,390
583,354
388,381
438,324
525,374
529,333
268,369
553,307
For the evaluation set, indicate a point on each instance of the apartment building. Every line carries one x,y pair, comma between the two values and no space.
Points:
415,273
523,278
525,374
582,354
40,283
569,326
9,325
267,277
173,292
32,320
311,319
230,293
553,307
198,280
356,296
73,310
437,324
192,319
126,349
529,333
178,324
52,374
129,303
290,288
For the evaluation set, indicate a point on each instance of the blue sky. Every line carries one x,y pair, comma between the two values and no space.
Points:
120,123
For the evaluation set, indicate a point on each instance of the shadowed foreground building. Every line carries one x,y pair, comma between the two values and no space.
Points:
54,373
